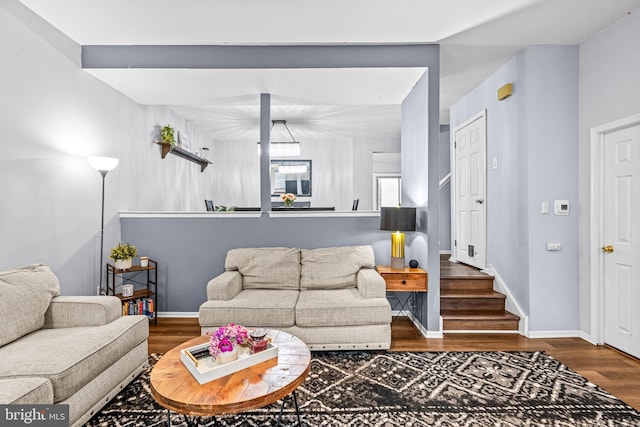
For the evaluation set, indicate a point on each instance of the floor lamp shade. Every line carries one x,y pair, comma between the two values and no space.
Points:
397,220
102,163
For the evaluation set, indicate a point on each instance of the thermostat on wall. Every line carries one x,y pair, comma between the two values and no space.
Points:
561,207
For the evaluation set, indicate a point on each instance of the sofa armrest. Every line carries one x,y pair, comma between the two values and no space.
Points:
371,284
74,311
225,286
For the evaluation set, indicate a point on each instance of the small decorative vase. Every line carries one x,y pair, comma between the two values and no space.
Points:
227,356
287,203
123,264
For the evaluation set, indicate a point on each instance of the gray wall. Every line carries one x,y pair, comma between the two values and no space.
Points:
609,90
550,123
533,134
445,192
191,251
54,115
420,170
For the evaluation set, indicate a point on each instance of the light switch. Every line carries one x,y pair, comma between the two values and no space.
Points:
554,246
544,208
495,163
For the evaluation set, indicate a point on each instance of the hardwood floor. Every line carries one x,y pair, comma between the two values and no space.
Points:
615,372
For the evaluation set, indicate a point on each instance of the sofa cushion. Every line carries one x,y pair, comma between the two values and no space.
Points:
25,294
340,307
71,357
333,268
266,268
252,307
25,391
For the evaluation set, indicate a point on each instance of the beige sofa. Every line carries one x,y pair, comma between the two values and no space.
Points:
331,298
78,351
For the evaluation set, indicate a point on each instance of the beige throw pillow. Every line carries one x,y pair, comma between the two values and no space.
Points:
266,268
334,268
25,294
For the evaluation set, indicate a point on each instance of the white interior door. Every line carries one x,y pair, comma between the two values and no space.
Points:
469,198
621,245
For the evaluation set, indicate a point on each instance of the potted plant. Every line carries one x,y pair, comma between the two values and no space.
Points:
167,134
123,255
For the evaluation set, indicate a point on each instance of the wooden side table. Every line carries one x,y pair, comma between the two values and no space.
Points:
404,280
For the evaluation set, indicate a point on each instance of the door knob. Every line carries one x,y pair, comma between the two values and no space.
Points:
479,201
607,249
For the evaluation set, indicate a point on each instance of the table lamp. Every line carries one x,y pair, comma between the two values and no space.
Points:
397,220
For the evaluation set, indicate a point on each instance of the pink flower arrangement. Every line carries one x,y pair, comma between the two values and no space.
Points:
225,337
288,198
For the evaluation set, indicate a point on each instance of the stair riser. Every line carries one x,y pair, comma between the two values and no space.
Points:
471,304
464,284
480,325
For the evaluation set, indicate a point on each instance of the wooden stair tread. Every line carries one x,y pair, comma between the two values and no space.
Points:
463,293
453,270
479,275
478,315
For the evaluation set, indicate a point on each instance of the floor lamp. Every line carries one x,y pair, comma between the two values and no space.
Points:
102,165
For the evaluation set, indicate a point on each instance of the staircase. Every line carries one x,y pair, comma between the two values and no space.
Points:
468,301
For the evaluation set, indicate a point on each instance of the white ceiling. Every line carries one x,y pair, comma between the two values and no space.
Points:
476,37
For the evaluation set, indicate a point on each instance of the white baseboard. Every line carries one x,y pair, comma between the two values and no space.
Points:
183,314
425,333
445,252
476,332
511,303
555,334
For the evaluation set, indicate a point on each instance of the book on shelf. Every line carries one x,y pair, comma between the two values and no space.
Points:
144,306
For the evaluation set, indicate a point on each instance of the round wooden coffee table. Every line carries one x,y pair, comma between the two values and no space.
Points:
174,388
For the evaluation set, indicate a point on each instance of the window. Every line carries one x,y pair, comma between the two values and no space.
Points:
387,190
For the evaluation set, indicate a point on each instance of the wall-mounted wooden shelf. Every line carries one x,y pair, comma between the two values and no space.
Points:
180,152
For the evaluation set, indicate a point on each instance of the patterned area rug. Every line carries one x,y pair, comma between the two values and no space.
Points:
413,389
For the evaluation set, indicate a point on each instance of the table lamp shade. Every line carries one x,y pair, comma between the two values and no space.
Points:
397,220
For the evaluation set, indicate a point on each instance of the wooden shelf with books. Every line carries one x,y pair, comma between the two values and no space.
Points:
144,298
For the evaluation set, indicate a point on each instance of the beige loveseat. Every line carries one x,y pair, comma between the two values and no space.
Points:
331,298
78,351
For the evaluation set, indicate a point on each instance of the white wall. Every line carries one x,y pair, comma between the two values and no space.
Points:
53,115
341,171
236,173
363,149
609,90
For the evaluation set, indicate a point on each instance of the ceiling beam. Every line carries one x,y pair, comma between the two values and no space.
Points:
230,57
